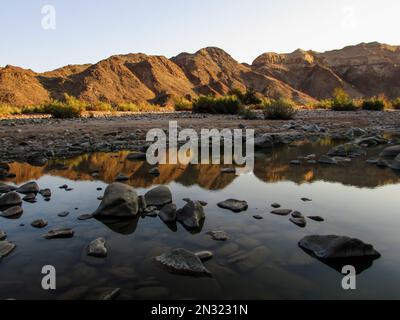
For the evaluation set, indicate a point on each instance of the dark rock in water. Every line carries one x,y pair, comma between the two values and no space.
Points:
306,200
191,215
37,161
258,217
204,255
6,248
234,205
59,234
168,213
372,161
327,160
122,177
281,212
295,162
334,247
158,196
46,193
391,152
97,248
12,212
136,156
40,223
297,214
316,218
265,141
10,199
181,261
346,150
30,197
64,186
395,165
154,171
119,200
275,205
4,188
337,252
3,235
84,217
142,203
301,221
63,214
30,187
218,235
111,295
382,164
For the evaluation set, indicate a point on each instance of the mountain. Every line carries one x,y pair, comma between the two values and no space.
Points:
366,69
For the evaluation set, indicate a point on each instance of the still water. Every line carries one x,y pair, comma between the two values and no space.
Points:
356,199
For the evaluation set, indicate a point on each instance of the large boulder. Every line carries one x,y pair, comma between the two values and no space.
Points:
158,196
119,200
391,152
334,247
168,213
191,215
30,187
10,199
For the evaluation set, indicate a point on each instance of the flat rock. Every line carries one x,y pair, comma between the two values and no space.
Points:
282,212
12,212
181,261
63,214
333,247
301,222
158,196
40,223
204,255
6,248
234,205
59,234
275,205
258,217
97,248
316,218
85,216
218,235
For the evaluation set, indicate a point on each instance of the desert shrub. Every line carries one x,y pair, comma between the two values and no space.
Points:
396,103
139,107
322,104
6,110
100,106
374,104
281,109
217,105
342,102
248,114
183,104
62,110
248,98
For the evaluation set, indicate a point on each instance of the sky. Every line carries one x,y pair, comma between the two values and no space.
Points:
86,31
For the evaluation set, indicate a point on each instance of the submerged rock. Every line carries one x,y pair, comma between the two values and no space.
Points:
97,248
63,214
234,205
168,213
333,247
282,212
316,218
59,234
191,215
158,196
6,248
181,261
119,200
218,235
10,199
30,187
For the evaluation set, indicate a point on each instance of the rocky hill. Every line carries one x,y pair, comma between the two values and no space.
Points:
304,76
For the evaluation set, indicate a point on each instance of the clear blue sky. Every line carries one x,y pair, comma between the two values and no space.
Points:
90,30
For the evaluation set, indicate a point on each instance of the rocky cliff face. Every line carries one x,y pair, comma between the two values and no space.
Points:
362,70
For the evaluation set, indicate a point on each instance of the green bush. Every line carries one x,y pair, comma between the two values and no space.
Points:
100,106
281,109
248,114
342,102
396,103
217,105
374,104
183,104
248,98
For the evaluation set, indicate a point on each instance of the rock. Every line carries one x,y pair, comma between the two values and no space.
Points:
142,204
264,141
12,212
299,221
281,212
30,197
355,132
168,213
234,205
63,214
306,200
40,223
390,152
295,162
10,199
346,150
372,161
4,188
382,164
122,177
395,165
3,235
59,234
84,217
30,187
275,205
113,294
46,193
333,247
191,215
218,235
316,218
204,255
297,214
37,161
119,200
154,171
64,186
97,248
258,217
228,170
136,156
181,261
6,248
327,160
158,196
